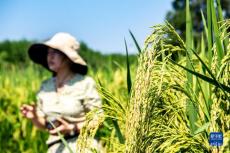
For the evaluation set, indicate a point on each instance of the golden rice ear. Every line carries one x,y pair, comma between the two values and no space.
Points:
86,139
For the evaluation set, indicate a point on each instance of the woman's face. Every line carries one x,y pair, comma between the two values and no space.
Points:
56,60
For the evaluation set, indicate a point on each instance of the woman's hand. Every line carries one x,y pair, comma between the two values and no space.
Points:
64,128
28,111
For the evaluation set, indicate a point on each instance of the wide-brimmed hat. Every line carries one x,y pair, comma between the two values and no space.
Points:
62,42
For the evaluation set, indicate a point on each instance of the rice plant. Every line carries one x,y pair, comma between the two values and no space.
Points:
176,104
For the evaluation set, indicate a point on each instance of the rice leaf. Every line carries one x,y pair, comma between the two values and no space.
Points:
209,71
135,42
220,51
202,128
189,43
114,120
210,32
221,18
205,78
129,81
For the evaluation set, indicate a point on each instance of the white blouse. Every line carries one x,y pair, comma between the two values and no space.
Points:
77,97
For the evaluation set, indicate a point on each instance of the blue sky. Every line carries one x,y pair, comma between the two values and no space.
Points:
102,24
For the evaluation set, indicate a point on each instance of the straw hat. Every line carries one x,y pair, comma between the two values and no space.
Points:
62,42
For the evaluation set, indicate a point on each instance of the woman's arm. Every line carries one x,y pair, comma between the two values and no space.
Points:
66,127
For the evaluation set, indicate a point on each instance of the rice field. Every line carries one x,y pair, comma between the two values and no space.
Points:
160,104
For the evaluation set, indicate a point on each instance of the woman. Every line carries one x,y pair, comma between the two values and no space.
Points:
64,99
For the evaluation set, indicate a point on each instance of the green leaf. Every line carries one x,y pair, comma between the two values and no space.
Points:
114,120
210,32
129,81
192,113
135,41
221,18
209,71
202,128
118,131
205,78
204,23
219,48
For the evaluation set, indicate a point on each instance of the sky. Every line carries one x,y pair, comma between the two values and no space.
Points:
101,24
